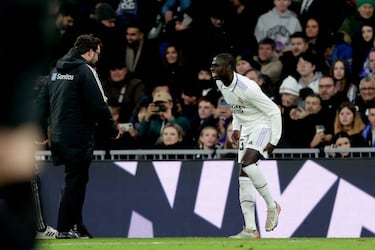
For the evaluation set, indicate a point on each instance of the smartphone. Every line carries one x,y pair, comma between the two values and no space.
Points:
319,128
126,126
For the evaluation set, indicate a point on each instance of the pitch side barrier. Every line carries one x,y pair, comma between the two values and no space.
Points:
322,197
198,154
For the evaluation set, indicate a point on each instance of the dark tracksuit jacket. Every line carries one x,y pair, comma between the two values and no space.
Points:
74,103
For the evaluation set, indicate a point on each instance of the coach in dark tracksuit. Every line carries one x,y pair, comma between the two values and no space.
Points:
74,104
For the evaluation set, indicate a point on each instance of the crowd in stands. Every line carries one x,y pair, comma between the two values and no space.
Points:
314,58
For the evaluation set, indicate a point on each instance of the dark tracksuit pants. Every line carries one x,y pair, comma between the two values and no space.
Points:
73,194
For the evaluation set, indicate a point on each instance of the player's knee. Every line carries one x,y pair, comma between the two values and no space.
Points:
244,164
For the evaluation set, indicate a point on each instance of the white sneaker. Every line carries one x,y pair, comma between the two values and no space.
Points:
272,217
49,233
246,233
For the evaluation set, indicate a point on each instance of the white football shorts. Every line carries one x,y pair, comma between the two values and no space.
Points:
257,139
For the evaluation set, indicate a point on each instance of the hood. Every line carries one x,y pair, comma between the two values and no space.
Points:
71,60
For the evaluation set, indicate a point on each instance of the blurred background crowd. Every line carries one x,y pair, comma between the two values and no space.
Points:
314,58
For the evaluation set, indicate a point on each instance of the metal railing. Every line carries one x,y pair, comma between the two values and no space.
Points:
205,154
157,154
46,155
352,152
198,154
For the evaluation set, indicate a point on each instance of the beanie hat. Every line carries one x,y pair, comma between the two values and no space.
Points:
105,11
289,86
361,2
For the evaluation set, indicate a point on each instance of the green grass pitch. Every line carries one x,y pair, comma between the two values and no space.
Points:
208,243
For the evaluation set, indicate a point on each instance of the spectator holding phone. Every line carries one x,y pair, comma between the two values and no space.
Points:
309,125
340,140
160,111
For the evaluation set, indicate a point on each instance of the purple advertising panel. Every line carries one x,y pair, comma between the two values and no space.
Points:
319,198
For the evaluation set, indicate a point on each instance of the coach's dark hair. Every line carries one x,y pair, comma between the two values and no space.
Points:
86,42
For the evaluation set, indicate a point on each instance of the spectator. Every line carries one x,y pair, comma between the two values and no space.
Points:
139,113
243,21
161,111
368,132
316,35
176,9
143,11
205,83
304,123
215,33
104,25
287,100
270,65
351,25
340,72
348,119
331,99
123,87
128,140
223,114
369,64
245,62
289,93
142,56
262,80
189,109
65,32
307,68
289,59
171,137
366,95
278,24
175,72
228,144
340,50
362,44
209,139
136,119
340,140
206,112
324,11
178,25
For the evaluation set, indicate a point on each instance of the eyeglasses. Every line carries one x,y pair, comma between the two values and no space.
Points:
369,88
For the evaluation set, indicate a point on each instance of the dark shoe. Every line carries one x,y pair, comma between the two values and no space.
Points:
82,231
67,235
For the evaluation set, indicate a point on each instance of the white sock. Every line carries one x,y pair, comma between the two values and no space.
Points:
247,201
255,174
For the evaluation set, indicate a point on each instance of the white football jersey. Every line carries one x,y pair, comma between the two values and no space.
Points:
251,107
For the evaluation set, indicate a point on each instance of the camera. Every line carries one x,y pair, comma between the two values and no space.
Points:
160,107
